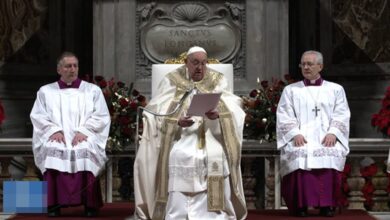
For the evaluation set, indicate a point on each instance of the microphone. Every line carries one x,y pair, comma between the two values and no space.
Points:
181,101
186,94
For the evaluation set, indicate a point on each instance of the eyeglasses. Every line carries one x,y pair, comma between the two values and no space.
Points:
308,64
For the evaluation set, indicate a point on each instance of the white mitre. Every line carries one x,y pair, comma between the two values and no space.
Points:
195,49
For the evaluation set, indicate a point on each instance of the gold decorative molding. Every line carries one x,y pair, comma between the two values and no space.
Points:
182,57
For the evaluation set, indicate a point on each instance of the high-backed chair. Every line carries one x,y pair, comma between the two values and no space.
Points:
160,70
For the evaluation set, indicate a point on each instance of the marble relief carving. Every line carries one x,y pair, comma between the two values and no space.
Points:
20,20
366,23
168,29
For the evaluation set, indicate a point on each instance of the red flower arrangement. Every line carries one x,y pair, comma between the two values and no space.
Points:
260,108
368,189
381,120
122,102
343,200
369,171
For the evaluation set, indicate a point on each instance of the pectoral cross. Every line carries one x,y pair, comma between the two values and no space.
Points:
316,110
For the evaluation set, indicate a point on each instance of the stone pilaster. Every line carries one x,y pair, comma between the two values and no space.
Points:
249,183
270,184
355,183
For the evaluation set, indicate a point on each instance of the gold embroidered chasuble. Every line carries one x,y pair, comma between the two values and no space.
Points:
231,145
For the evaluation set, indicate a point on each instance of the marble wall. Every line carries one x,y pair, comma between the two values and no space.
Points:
265,49
366,24
20,21
360,56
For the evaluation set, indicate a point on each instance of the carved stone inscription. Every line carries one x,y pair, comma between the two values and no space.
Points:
162,42
167,29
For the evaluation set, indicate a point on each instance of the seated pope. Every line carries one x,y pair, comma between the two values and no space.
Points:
188,167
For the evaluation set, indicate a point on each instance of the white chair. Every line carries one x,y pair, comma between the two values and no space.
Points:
160,70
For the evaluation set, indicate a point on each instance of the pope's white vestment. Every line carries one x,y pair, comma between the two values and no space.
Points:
70,110
312,111
192,154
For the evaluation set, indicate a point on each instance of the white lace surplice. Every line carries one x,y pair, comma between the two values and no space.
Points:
70,110
296,115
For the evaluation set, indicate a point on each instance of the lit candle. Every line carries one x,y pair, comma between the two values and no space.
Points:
258,80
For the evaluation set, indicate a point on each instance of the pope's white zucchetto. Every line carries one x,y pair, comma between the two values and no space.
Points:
195,49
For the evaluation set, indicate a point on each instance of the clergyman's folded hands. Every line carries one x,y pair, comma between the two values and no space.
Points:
299,140
328,141
59,137
78,138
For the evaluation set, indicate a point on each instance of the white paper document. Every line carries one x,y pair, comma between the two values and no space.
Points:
202,103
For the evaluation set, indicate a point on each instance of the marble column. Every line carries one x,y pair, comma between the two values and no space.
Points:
114,39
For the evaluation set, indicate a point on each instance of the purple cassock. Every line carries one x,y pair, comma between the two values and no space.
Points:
314,188
72,189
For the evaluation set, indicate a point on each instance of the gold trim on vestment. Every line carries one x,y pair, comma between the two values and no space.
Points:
201,135
215,193
168,130
232,149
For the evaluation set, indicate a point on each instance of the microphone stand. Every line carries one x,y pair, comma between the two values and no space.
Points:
181,101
